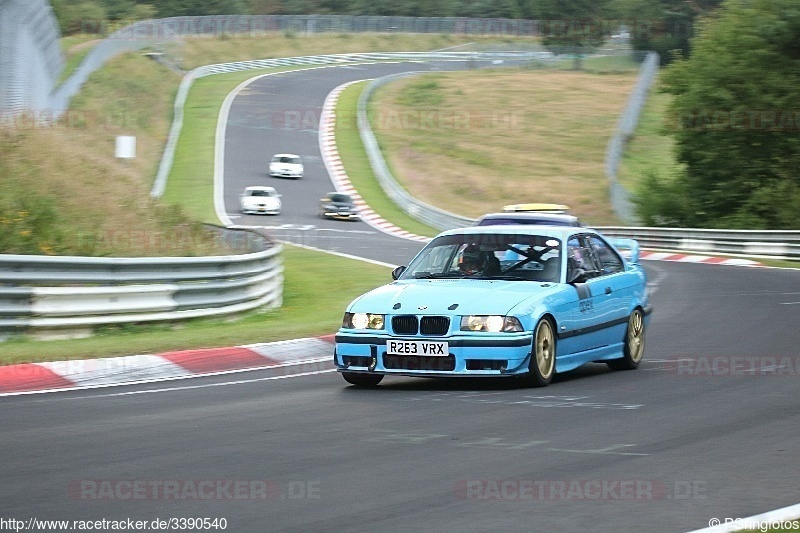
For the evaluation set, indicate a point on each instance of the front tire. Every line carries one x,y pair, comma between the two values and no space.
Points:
362,380
542,365
633,350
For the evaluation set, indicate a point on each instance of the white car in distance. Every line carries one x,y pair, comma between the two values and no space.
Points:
260,200
286,166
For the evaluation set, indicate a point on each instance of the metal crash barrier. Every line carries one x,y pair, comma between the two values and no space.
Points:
69,292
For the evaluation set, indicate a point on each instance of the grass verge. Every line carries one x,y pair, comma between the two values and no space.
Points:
537,136
650,149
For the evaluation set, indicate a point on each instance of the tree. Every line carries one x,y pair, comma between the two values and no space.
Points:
86,16
736,117
173,8
576,27
662,26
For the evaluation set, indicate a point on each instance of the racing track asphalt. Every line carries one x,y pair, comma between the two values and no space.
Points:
699,431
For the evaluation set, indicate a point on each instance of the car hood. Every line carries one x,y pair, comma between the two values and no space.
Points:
286,166
452,297
266,200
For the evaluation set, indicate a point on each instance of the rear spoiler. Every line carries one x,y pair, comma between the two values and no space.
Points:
628,248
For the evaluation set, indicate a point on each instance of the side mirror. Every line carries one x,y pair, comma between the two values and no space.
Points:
397,272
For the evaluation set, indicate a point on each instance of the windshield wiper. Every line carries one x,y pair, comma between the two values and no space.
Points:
439,275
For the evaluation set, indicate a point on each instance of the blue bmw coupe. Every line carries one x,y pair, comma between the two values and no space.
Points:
523,301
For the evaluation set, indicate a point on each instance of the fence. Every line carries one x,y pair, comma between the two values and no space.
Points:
55,293
30,56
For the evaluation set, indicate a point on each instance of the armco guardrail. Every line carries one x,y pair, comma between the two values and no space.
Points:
752,243
65,292
626,127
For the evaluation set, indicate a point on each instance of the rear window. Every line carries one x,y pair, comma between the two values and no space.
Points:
286,160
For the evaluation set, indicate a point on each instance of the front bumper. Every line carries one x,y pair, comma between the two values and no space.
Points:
473,355
285,174
340,216
261,211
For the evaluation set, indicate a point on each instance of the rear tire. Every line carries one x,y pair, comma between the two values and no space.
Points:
633,350
542,365
362,380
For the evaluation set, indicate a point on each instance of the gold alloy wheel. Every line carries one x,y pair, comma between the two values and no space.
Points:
636,336
545,349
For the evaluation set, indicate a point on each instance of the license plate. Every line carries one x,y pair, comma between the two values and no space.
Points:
421,348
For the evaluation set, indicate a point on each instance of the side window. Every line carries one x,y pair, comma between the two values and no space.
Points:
610,262
576,257
582,256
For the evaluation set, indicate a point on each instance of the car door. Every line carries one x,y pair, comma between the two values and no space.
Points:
582,310
610,290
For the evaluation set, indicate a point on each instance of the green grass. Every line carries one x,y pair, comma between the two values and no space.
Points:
191,180
650,149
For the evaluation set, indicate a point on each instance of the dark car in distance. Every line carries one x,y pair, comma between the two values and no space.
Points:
338,206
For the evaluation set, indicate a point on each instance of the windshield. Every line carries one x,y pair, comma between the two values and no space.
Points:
489,256
284,159
339,198
260,192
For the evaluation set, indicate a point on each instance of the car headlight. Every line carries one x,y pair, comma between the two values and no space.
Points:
490,323
362,321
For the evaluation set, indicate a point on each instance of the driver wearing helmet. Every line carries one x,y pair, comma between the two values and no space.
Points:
472,260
